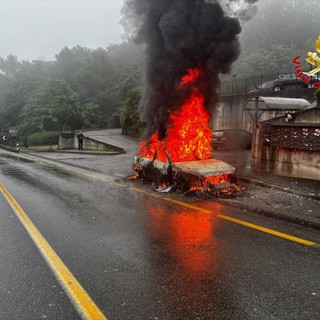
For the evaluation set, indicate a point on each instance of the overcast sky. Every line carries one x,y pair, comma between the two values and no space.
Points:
39,29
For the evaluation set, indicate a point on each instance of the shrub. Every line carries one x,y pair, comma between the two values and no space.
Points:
44,139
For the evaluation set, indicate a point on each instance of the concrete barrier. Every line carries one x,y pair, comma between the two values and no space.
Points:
53,147
70,141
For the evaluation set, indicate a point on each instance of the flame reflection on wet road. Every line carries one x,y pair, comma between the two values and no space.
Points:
187,257
188,237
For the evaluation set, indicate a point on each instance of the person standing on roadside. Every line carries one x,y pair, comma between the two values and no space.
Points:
80,137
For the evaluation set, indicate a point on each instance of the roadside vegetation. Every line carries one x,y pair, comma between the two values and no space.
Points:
82,88
44,138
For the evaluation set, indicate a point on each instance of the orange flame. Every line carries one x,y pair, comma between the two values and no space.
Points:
188,137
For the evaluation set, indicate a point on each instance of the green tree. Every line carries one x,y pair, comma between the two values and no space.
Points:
54,99
129,114
10,65
92,115
101,76
64,106
33,112
18,82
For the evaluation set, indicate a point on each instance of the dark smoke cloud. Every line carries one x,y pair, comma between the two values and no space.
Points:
179,35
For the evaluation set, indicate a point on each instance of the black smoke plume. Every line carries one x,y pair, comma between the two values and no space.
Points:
179,35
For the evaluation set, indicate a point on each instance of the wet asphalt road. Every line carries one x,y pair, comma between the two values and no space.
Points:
142,257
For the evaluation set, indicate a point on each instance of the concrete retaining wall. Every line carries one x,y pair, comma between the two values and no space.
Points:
44,148
229,112
286,161
66,141
71,142
95,145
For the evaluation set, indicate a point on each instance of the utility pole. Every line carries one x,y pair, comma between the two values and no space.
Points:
234,81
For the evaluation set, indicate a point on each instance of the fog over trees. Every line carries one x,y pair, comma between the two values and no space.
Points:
280,31
81,88
85,88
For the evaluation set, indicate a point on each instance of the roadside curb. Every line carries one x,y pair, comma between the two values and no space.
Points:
277,187
87,152
99,153
267,213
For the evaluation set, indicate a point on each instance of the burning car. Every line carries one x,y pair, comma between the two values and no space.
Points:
210,176
187,45
184,159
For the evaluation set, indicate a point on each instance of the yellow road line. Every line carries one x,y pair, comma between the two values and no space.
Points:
241,222
266,230
186,205
78,295
246,224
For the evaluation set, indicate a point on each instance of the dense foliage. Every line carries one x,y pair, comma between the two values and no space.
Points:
129,114
82,88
